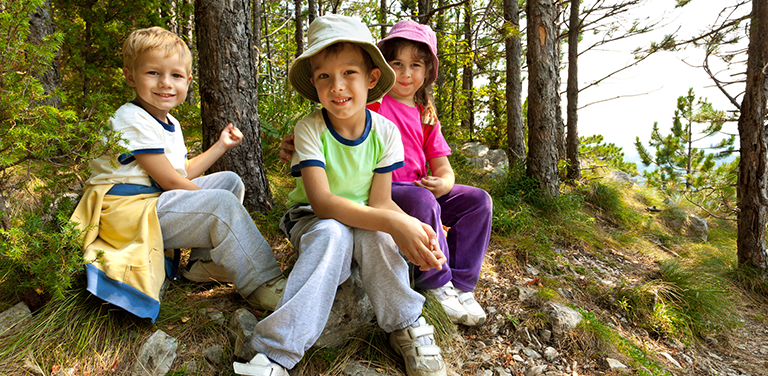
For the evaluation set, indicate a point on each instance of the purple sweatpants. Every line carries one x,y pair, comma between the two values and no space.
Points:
468,212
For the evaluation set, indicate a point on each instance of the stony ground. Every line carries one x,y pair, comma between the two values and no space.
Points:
516,339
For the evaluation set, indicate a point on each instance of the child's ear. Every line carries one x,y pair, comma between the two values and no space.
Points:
129,77
373,77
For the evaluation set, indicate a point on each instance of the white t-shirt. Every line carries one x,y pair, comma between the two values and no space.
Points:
142,133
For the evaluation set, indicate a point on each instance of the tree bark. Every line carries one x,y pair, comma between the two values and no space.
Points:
514,87
40,26
541,163
229,91
467,75
751,217
312,5
299,33
557,102
572,140
425,6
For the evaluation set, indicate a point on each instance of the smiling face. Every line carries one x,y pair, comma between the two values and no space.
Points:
342,80
411,71
161,82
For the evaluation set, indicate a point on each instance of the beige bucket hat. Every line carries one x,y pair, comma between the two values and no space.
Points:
335,28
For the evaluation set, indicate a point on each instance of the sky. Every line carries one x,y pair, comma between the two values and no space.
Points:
664,77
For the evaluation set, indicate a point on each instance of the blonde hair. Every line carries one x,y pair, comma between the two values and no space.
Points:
423,95
143,40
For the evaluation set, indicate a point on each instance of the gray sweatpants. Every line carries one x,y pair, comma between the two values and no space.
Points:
327,248
214,220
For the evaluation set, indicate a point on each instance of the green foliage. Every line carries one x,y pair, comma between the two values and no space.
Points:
684,168
684,301
601,155
609,199
42,252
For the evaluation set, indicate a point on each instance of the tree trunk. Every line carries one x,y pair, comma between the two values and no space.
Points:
751,217
467,75
514,87
572,141
312,5
440,89
299,33
425,6
187,29
541,163
40,26
559,123
229,91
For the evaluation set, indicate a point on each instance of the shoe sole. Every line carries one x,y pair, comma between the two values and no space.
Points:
203,277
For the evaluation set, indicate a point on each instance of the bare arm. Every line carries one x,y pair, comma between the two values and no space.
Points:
162,172
442,180
229,138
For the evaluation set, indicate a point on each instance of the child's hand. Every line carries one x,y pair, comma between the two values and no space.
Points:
287,148
434,184
417,241
435,249
230,136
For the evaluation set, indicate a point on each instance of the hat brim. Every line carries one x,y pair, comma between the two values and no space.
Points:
300,73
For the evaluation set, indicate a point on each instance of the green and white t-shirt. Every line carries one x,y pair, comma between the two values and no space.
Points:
349,164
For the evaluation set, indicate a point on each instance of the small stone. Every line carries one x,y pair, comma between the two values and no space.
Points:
518,358
531,353
671,359
550,354
615,364
190,367
214,354
536,370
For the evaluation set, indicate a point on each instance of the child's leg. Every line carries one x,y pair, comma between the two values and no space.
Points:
215,218
324,262
226,180
420,203
468,212
384,274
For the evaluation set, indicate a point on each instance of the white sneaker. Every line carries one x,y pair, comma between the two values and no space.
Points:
416,344
449,299
260,365
475,313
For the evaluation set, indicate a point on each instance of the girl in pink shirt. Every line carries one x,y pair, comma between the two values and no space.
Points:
411,50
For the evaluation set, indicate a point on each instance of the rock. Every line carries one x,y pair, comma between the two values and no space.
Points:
536,370
17,314
474,149
696,228
351,310
484,372
531,353
498,371
615,364
550,354
563,318
156,355
214,354
545,335
240,330
360,370
621,177
524,293
497,157
480,163
670,359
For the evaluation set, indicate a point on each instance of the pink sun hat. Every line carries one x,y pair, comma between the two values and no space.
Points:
416,32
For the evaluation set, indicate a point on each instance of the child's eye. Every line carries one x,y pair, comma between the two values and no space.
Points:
396,63
176,75
350,72
322,75
152,73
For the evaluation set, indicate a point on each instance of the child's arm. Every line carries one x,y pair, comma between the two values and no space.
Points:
407,232
162,172
229,138
442,179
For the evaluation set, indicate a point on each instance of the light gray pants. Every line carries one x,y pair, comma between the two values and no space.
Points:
214,220
327,248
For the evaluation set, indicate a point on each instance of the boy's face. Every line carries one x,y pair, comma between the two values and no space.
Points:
342,84
160,82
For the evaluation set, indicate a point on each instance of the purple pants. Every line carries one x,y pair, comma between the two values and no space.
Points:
468,212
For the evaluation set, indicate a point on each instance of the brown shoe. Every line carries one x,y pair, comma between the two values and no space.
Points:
206,271
268,295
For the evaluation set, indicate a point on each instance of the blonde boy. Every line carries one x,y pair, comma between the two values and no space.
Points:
342,208
153,198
